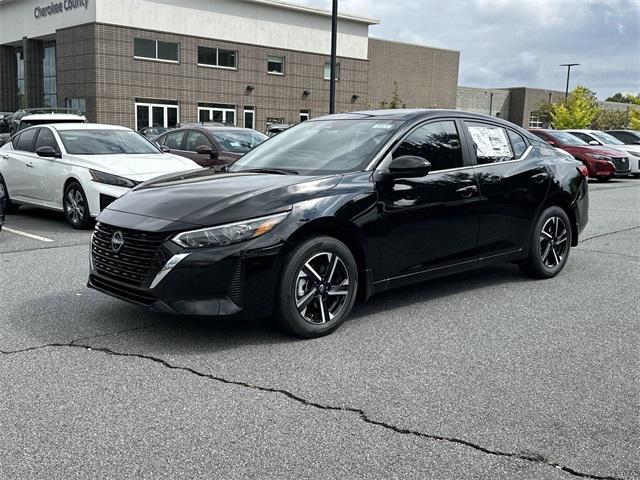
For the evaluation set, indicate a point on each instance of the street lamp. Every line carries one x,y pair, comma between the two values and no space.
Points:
334,45
568,65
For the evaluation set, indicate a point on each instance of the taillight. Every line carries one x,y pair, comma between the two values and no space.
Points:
583,170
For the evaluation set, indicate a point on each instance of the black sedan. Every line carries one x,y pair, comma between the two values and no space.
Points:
339,208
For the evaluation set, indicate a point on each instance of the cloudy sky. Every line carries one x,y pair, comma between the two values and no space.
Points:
509,43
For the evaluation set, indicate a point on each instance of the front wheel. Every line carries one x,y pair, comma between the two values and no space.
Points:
9,206
550,244
76,207
317,287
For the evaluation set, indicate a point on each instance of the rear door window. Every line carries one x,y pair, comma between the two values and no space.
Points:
491,143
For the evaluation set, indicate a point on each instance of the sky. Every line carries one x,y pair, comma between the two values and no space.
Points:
513,43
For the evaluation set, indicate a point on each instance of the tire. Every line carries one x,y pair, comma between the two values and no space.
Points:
550,244
76,207
636,175
317,287
10,208
604,179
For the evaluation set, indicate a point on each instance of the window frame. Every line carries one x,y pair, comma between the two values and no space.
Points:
252,110
222,110
156,59
282,62
217,49
150,106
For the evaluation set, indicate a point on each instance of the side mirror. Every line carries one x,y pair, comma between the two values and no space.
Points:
593,142
47,152
165,149
207,150
409,166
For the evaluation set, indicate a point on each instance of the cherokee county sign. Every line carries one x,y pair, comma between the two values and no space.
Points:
59,7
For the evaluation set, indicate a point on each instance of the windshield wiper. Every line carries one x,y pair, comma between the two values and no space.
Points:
277,171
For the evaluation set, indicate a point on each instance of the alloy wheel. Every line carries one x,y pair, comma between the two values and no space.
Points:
75,205
322,288
553,243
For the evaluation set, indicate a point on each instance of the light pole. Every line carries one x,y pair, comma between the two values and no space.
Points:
334,49
568,65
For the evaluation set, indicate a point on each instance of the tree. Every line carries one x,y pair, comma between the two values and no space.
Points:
625,98
577,111
395,102
634,118
543,112
610,119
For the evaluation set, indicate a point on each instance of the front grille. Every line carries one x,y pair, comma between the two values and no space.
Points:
621,164
139,259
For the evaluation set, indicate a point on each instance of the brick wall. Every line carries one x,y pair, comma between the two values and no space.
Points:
8,86
33,80
426,77
120,79
478,100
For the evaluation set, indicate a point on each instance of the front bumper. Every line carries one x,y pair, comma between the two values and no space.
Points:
237,280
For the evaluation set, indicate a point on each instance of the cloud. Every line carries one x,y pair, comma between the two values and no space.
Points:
519,42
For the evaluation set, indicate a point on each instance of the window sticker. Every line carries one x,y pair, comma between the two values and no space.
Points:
491,142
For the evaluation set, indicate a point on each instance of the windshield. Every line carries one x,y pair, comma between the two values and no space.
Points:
105,142
606,138
238,141
321,147
567,139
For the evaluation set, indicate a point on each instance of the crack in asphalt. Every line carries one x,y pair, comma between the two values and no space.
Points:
538,459
609,233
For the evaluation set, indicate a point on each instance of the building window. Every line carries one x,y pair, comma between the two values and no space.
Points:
534,121
217,57
49,76
275,65
155,50
156,113
214,112
304,115
327,71
20,78
250,117
79,104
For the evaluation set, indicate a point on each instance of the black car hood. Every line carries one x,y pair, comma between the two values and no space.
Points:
204,197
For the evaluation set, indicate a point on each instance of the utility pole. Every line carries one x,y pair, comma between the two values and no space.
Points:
568,65
334,52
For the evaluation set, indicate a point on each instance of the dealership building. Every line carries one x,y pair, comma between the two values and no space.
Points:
165,62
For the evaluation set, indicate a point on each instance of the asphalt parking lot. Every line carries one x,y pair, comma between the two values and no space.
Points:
488,375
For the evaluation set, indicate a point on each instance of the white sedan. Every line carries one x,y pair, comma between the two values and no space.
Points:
80,168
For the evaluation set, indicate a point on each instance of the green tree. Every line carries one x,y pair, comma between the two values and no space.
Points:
543,112
577,111
610,119
634,118
625,98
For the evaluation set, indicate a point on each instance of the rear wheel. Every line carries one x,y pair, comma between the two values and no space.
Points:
317,288
550,244
9,206
76,207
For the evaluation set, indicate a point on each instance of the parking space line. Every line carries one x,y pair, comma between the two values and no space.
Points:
28,235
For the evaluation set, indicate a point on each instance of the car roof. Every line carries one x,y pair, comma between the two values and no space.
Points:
86,126
581,130
52,116
212,128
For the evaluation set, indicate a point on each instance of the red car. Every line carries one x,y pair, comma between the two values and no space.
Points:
598,160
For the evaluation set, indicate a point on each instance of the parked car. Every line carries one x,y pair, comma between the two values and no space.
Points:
153,132
628,137
33,119
16,117
4,121
79,168
340,207
631,152
209,146
277,128
597,159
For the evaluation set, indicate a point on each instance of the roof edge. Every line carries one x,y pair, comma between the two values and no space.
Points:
313,10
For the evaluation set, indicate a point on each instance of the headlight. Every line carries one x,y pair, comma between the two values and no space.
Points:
600,157
230,233
110,179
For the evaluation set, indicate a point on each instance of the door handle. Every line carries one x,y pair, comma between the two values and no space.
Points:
29,165
467,192
539,177
5,157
